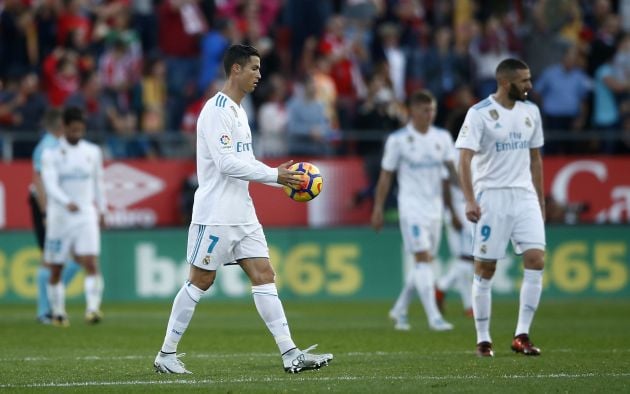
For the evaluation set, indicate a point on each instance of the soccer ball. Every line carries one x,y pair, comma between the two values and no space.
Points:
310,187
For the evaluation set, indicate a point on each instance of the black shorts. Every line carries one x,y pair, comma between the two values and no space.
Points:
38,221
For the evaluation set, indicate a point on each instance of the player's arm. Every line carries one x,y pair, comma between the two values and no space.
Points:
473,211
382,189
448,203
99,186
537,176
469,142
220,145
50,179
38,184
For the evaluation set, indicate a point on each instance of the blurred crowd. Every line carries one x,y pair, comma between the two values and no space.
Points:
335,72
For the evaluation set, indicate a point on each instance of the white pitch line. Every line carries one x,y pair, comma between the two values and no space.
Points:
310,377
221,356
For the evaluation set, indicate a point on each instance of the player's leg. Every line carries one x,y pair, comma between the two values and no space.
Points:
482,305
87,247
56,252
93,286
252,254
201,244
529,237
463,285
399,311
43,272
423,239
490,238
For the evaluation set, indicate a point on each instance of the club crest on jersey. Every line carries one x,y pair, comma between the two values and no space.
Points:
528,122
494,114
206,260
464,131
226,142
483,249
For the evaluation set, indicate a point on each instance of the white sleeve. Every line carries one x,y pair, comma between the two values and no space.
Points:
50,177
99,184
471,132
449,147
391,155
538,139
218,137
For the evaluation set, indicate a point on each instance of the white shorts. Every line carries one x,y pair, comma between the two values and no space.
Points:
508,214
81,238
459,242
421,235
212,246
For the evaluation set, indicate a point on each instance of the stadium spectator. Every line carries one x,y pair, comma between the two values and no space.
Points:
214,43
181,25
609,91
153,94
75,211
60,75
308,129
273,119
72,17
505,196
378,115
395,56
604,45
562,89
226,165
18,39
94,104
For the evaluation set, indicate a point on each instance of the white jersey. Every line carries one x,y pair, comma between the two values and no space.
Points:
501,139
73,173
225,165
419,161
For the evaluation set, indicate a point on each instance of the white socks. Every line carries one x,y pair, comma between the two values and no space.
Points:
401,307
183,308
465,271
271,311
531,289
424,281
57,298
93,292
481,303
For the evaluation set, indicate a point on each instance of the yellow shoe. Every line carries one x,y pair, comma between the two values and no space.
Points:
93,317
60,321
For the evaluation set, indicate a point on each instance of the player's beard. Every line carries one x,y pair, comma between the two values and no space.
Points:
515,94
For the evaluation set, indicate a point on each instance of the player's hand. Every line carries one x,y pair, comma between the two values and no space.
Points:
456,223
101,220
288,177
72,207
377,219
473,211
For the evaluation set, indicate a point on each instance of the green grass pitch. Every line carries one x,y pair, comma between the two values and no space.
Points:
584,343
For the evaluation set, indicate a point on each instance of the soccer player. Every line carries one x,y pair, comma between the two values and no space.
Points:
72,174
37,201
500,170
224,229
418,153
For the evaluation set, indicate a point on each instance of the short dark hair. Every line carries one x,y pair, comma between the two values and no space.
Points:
73,114
238,54
422,96
508,66
52,119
